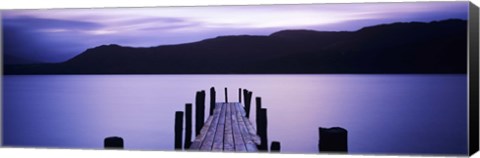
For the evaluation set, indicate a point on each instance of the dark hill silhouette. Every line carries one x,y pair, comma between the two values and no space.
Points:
13,59
435,47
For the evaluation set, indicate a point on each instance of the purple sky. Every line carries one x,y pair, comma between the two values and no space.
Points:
57,35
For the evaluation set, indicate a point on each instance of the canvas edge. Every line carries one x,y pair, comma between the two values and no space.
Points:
473,79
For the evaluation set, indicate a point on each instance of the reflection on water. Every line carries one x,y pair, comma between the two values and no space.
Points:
423,114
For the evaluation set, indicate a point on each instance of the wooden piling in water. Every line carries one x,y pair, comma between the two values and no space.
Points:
178,130
333,140
212,100
262,129
188,125
226,95
199,111
247,97
258,106
239,95
113,142
275,147
245,91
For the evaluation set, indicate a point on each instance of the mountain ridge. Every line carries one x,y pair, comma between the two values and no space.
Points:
412,47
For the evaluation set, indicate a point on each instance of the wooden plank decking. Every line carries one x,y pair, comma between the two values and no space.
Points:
228,129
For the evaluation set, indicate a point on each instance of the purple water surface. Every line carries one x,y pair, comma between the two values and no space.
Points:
384,114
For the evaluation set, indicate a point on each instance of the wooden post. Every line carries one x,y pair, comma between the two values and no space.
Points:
275,147
199,111
247,97
226,95
258,103
244,95
262,130
178,130
239,95
212,100
333,140
188,125
113,142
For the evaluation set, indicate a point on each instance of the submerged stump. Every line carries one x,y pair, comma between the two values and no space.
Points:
275,147
333,140
113,142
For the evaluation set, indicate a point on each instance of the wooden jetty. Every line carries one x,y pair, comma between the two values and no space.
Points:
228,129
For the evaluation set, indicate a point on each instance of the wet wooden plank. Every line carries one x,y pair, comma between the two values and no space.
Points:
237,135
208,141
241,109
218,140
249,144
251,130
199,139
228,143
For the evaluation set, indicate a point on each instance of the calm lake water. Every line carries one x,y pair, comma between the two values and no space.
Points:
384,114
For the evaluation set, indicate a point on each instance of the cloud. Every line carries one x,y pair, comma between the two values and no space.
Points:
35,23
164,24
